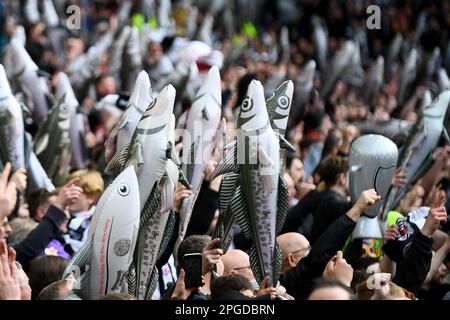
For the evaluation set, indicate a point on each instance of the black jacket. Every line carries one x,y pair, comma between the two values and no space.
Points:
204,209
40,237
412,270
298,281
301,212
331,207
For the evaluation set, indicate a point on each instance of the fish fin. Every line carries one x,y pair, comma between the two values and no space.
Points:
226,192
167,235
42,144
182,178
83,283
150,206
132,280
152,284
268,178
238,208
283,204
284,144
171,153
255,263
137,158
276,264
227,165
118,161
80,259
205,114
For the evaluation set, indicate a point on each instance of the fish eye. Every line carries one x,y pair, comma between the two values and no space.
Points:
123,189
283,102
247,104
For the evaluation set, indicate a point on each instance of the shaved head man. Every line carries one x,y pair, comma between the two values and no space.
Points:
294,247
237,262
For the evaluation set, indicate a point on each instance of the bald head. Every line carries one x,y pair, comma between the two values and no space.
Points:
237,262
294,247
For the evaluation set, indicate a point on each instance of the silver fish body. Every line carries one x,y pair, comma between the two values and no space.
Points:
25,71
423,139
199,140
11,126
102,262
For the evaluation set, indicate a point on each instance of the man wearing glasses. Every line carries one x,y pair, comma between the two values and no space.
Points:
294,247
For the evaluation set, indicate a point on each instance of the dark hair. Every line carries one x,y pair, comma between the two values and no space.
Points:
37,198
331,141
290,160
323,283
242,87
45,270
331,168
224,284
192,244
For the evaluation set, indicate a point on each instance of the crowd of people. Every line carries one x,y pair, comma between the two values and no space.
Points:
42,229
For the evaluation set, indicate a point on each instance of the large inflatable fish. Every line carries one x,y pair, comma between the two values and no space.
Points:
259,202
415,156
140,99
102,262
199,142
27,74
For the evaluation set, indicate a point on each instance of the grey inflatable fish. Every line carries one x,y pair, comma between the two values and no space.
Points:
303,86
131,61
415,156
27,75
52,142
140,99
408,75
260,201
12,145
199,142
320,40
374,80
102,262
77,121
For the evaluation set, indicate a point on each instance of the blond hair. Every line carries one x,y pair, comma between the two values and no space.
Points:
91,181
395,292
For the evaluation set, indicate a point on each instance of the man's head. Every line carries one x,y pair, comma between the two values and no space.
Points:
294,247
192,244
294,167
231,282
334,172
38,202
237,262
92,184
330,289
45,270
118,296
105,85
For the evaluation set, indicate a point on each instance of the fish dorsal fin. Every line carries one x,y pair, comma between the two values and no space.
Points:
238,208
80,259
42,144
171,153
151,205
255,263
118,161
276,263
283,204
284,144
84,285
132,279
267,171
228,164
183,180
137,159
